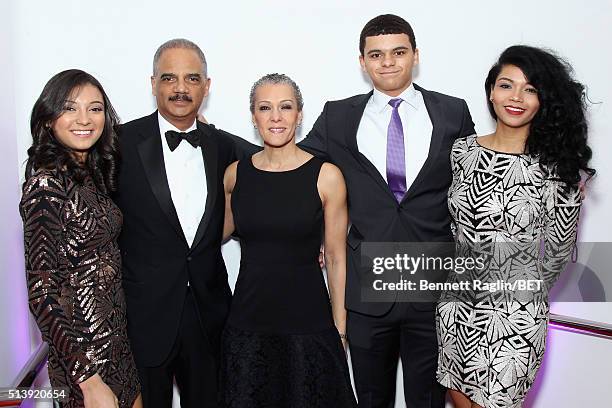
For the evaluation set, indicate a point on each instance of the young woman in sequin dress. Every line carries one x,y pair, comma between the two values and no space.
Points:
73,264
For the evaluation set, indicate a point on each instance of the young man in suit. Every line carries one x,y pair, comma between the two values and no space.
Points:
171,196
393,147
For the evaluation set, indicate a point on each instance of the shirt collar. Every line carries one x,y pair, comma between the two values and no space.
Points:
165,126
380,100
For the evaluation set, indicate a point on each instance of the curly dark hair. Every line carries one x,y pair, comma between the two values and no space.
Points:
386,24
47,152
558,131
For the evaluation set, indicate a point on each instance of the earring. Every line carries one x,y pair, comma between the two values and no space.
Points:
254,126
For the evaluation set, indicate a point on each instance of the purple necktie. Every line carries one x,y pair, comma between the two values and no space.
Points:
396,159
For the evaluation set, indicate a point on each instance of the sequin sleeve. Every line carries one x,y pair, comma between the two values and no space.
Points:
561,210
44,221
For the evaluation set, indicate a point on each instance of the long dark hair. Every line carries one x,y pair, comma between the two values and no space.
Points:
47,152
558,132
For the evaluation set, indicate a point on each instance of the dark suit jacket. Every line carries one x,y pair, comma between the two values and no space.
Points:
157,261
375,215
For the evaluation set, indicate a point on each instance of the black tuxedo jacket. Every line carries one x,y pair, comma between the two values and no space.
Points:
157,261
375,215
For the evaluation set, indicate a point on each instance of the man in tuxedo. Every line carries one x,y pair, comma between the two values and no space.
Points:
171,196
393,147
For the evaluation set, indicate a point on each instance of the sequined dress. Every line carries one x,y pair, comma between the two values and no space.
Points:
73,268
503,206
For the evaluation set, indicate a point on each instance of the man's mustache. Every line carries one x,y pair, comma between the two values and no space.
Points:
180,97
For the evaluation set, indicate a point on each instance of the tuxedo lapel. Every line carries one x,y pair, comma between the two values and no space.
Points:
151,154
352,126
210,155
436,115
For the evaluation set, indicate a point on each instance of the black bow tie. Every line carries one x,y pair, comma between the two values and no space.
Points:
175,138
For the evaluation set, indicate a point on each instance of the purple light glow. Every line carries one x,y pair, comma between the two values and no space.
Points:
14,315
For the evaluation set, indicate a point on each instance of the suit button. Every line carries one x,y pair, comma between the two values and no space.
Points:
189,259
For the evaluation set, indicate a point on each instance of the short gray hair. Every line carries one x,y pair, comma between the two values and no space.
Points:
276,79
179,43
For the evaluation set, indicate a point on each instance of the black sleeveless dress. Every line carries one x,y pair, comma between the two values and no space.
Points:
280,345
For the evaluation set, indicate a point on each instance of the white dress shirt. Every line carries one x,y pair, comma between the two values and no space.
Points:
186,179
417,126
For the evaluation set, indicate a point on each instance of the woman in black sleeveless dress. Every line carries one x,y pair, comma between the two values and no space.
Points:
283,345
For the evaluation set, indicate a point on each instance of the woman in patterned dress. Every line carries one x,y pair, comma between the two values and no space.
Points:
73,264
511,190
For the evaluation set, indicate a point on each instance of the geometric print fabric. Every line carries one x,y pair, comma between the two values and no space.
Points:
523,221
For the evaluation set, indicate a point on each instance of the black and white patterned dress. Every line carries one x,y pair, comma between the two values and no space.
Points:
503,207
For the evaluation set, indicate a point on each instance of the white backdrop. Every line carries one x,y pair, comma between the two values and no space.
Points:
316,43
